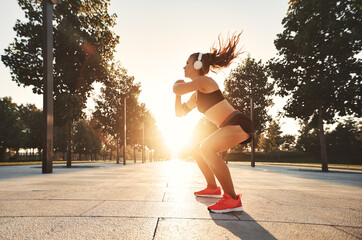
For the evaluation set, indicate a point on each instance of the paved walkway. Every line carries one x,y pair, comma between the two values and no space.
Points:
155,201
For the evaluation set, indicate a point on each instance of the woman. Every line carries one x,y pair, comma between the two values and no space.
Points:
234,127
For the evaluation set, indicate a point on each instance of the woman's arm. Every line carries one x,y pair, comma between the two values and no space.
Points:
185,108
181,88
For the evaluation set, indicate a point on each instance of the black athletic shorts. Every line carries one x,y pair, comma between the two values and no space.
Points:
237,118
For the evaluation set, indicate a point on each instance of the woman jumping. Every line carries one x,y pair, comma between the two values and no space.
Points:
234,127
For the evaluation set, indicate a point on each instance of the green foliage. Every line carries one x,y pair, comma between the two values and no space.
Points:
32,118
249,80
83,47
84,140
60,138
272,140
108,116
308,140
11,126
317,64
109,110
344,142
288,142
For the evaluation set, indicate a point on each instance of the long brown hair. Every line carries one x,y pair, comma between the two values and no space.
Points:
221,55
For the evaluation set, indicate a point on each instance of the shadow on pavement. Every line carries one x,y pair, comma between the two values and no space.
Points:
244,228
7,172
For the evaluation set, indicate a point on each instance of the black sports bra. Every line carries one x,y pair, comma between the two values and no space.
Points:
204,101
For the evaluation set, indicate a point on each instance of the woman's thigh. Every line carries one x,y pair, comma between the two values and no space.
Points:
224,138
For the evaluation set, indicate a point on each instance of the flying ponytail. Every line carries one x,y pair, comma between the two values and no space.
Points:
220,56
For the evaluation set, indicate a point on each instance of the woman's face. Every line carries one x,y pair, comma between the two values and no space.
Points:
189,68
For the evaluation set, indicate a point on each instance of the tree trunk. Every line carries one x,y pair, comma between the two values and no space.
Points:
2,154
117,155
69,157
322,141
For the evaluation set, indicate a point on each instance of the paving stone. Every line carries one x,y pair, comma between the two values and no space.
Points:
224,229
156,209
76,228
45,207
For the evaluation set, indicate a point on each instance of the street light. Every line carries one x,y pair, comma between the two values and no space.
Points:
125,130
48,119
143,137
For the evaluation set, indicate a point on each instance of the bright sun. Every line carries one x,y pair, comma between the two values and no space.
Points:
177,131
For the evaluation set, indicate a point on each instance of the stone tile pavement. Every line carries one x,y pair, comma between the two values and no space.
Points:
155,201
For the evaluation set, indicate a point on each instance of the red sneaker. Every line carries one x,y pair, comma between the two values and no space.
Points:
209,192
227,204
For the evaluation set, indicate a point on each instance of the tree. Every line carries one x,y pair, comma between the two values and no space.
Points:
83,49
272,140
317,64
249,80
61,140
31,116
288,142
11,126
344,143
109,110
85,141
308,139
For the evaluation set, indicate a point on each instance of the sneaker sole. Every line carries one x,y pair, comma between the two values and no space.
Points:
208,196
238,209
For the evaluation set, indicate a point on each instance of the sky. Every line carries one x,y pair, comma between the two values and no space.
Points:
156,39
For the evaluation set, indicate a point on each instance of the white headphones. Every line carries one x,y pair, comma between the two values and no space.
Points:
198,63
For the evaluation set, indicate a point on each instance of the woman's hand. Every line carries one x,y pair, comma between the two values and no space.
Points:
180,81
176,83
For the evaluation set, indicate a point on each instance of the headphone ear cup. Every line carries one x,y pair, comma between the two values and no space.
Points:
197,65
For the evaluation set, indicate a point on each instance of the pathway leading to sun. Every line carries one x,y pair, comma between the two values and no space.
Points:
155,201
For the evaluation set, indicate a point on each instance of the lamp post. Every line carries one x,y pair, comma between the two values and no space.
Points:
143,137
48,120
124,130
252,130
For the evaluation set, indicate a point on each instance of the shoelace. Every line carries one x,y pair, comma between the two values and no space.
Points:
222,200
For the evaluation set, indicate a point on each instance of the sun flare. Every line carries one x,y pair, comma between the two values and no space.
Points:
177,132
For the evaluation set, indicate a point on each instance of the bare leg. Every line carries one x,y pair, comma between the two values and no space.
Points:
205,169
219,141
222,173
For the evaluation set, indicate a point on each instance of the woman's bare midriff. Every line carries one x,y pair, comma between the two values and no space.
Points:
217,113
